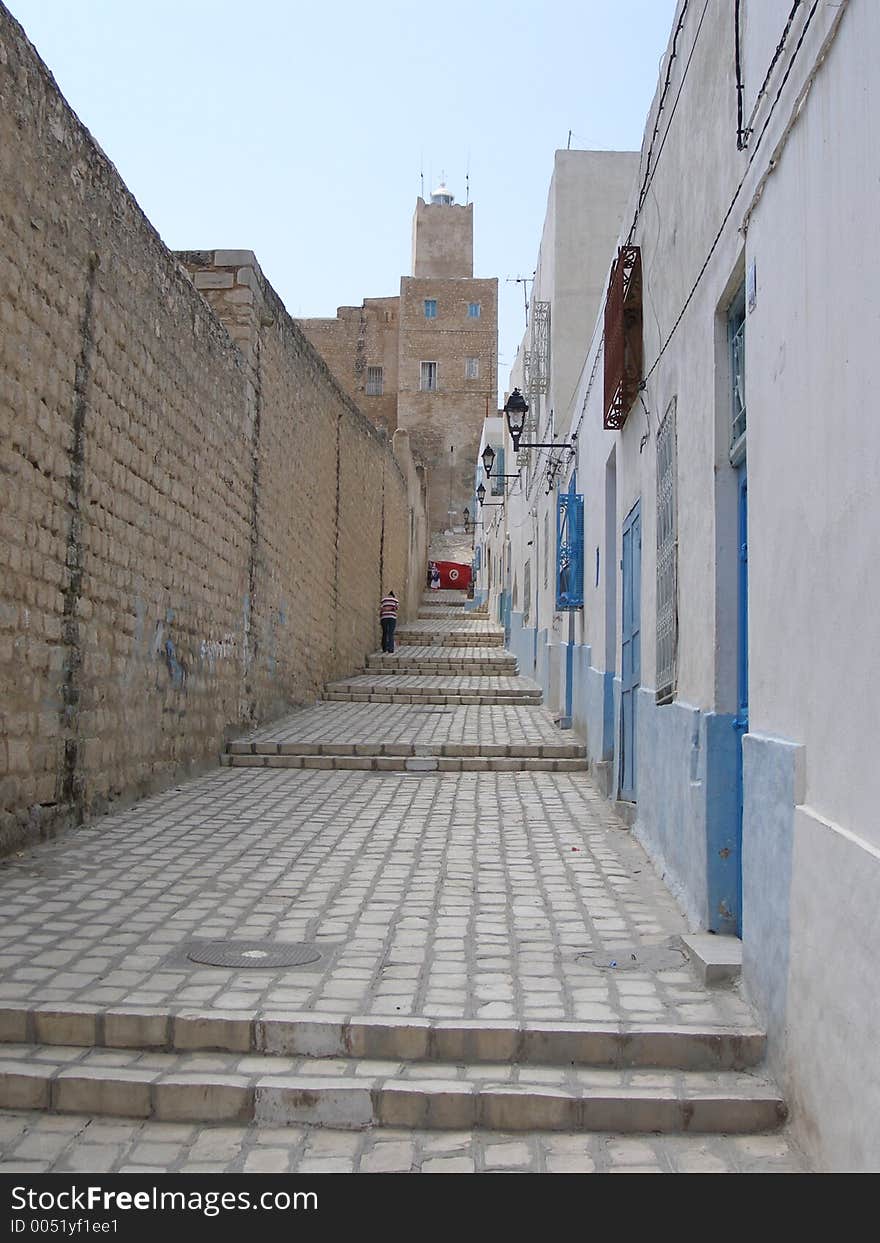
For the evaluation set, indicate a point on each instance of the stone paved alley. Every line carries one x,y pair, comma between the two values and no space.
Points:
496,980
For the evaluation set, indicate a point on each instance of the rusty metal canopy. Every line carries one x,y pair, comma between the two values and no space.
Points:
254,954
624,351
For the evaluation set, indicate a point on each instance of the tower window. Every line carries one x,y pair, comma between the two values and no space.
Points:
430,308
428,377
473,310
472,368
374,381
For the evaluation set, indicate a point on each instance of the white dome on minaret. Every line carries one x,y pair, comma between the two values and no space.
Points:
442,195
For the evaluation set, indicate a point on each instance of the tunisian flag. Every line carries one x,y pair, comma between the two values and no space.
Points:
454,575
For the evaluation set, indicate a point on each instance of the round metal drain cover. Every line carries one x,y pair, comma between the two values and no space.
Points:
638,958
252,954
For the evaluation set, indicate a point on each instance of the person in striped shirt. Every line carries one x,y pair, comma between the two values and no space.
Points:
388,618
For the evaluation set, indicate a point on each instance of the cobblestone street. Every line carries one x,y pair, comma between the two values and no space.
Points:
489,947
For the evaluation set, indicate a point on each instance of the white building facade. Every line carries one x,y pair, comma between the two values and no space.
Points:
720,667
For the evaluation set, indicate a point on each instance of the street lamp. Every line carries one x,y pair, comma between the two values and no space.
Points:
516,408
489,456
481,497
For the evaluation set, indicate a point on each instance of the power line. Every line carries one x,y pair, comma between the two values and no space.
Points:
747,129
672,56
736,193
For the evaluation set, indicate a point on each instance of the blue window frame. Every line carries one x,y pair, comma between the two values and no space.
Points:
570,548
473,310
430,308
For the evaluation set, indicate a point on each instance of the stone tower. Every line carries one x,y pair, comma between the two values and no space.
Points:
426,361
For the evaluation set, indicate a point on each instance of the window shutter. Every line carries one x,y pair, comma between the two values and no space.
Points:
570,549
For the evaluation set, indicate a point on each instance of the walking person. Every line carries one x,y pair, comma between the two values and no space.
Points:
434,576
388,618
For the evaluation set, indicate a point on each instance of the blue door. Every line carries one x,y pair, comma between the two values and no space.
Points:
741,721
631,652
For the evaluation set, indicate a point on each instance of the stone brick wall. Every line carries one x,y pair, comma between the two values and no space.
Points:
445,426
358,338
191,528
443,240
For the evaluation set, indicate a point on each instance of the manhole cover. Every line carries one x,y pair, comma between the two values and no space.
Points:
637,958
253,954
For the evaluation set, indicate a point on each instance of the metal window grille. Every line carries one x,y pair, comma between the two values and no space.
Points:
430,308
495,479
374,381
428,377
536,359
736,335
570,548
472,368
473,310
624,357
667,558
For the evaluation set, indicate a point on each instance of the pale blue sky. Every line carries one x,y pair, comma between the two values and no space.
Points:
299,130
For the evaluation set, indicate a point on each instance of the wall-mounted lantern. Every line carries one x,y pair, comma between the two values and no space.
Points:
516,408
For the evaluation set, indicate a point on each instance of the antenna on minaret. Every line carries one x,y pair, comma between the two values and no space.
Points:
467,182
422,170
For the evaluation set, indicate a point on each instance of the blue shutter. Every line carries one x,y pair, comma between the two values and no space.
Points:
497,471
570,549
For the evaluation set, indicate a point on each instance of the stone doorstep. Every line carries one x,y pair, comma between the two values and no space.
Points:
546,750
310,1034
717,959
449,1101
411,763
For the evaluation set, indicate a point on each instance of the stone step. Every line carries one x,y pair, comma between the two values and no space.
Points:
449,638
347,1093
452,599
420,764
474,699
618,1046
383,686
444,612
401,750
469,665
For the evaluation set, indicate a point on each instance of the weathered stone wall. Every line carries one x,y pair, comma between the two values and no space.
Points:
191,527
358,338
443,240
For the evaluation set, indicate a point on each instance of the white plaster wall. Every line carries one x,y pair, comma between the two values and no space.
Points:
814,446
588,194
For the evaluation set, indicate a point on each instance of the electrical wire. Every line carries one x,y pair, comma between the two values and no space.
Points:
663,93
747,129
736,194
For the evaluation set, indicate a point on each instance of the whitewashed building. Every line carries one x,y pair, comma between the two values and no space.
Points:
722,664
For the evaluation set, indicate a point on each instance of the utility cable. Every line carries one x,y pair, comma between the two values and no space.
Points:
663,93
736,194
747,129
